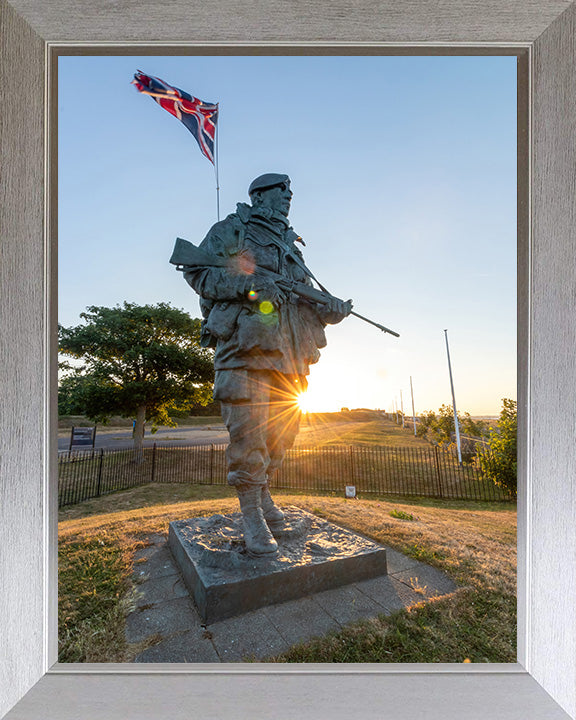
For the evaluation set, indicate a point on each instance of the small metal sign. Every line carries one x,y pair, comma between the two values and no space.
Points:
83,437
350,491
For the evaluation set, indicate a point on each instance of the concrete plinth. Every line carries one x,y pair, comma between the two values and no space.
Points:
224,580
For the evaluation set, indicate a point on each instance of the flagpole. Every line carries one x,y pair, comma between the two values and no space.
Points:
456,423
413,413
216,170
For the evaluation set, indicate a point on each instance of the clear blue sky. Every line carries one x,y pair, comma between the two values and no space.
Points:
404,178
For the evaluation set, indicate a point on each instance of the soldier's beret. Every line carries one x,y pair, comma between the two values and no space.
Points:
268,180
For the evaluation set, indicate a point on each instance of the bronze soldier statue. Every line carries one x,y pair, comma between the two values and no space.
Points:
265,337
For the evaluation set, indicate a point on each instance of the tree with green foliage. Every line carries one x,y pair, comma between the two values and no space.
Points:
426,422
471,427
445,425
137,361
499,460
440,428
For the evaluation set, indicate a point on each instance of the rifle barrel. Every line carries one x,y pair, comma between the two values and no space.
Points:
380,327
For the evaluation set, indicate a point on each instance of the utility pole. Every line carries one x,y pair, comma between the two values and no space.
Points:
413,413
402,408
456,424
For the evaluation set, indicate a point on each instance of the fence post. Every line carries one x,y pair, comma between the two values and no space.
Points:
352,466
438,471
211,463
153,462
99,472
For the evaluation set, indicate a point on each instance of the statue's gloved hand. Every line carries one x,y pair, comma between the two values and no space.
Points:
262,289
336,310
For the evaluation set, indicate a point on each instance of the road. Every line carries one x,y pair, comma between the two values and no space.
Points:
121,438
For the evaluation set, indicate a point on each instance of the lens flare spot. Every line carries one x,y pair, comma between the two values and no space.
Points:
245,263
252,295
266,307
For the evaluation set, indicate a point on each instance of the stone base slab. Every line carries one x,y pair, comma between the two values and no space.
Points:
313,555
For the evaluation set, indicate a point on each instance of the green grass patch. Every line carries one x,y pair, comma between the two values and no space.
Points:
401,515
420,551
94,592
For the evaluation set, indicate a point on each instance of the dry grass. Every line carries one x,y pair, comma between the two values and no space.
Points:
352,429
143,497
474,545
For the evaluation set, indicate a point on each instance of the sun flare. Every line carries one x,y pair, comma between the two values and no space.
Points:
315,402
303,401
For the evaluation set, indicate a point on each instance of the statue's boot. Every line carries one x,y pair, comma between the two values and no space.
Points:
272,513
257,536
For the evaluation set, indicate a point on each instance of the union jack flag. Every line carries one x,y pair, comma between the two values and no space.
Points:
198,116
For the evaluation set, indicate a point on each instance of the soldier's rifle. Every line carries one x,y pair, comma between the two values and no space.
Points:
187,256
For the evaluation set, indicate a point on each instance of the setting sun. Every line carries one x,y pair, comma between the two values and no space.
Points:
316,402
303,402
330,388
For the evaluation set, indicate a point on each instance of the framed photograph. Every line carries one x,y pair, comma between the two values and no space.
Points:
541,685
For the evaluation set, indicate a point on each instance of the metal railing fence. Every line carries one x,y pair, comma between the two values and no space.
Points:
376,470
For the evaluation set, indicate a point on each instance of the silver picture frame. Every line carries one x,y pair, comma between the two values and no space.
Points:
542,684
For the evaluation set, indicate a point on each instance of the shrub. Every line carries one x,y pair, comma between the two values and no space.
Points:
498,461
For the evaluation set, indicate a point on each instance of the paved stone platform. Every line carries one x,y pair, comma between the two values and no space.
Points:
164,609
313,555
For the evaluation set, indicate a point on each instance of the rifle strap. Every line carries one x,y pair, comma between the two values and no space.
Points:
302,265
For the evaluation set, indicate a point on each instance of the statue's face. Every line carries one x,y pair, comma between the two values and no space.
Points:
277,198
